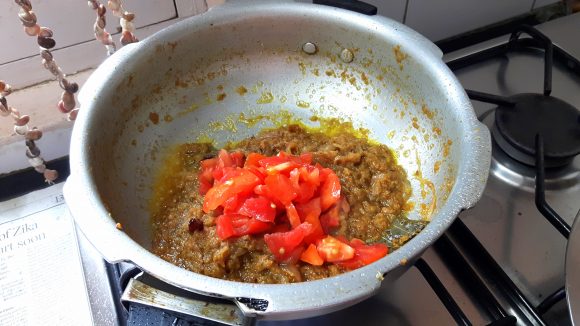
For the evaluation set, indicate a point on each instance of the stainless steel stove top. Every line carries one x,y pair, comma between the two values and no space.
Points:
505,221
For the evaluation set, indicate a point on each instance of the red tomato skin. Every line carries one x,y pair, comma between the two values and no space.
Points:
233,204
280,187
260,208
310,175
253,159
306,158
224,159
330,220
310,212
364,254
294,178
329,191
244,225
258,171
311,256
317,231
224,228
292,215
204,187
205,175
208,163
218,194
282,244
305,192
237,159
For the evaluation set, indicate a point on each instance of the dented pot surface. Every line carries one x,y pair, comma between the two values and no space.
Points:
230,72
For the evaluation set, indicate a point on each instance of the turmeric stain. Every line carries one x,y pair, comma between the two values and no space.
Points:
154,117
400,56
447,147
428,113
241,90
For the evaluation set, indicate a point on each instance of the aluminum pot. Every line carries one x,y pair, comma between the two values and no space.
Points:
271,59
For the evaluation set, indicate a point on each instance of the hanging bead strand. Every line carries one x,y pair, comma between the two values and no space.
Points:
99,27
126,19
31,135
67,103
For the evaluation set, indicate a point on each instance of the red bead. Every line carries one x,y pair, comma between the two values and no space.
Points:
62,108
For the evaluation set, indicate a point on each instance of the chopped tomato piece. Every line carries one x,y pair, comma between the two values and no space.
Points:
306,158
233,204
222,174
208,163
244,225
274,160
312,207
224,159
364,254
294,202
282,244
306,192
280,187
205,175
317,231
281,168
311,256
310,212
262,208
258,171
227,173
323,172
262,190
333,250
253,159
330,190
224,227
295,179
204,186
310,174
237,159
284,163
330,220
292,215
218,194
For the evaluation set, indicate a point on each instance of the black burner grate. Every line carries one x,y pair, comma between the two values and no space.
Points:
519,118
528,141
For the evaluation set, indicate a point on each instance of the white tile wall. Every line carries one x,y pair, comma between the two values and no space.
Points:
71,21
439,19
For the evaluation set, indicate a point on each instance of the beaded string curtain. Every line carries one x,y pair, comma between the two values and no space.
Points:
67,104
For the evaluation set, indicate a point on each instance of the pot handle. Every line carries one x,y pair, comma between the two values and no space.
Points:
88,215
150,302
353,5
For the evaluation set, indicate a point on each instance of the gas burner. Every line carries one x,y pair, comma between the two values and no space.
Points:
520,118
517,124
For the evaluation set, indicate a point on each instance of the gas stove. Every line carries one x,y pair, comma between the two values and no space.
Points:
503,261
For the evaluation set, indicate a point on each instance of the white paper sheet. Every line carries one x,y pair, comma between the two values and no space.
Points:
41,276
